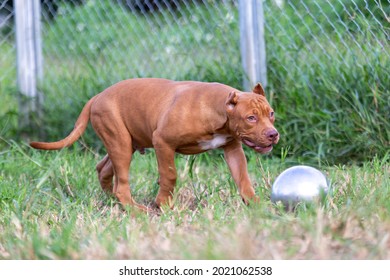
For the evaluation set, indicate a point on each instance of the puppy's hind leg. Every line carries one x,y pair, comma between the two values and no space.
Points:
105,174
109,126
120,152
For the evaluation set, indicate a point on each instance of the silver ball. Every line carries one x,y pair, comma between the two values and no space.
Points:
299,184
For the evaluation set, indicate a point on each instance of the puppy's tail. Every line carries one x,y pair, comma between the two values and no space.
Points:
79,128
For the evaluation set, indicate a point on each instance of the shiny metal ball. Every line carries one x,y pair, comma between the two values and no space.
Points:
299,184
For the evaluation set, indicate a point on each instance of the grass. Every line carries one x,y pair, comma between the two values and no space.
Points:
53,208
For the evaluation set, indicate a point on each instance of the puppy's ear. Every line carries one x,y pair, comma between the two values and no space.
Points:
231,101
258,89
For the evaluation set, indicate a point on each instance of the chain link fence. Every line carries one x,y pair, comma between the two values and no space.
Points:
178,39
327,61
7,49
115,40
309,38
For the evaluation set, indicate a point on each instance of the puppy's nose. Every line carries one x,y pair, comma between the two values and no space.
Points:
272,134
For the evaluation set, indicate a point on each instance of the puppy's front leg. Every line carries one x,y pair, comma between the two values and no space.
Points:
235,158
167,170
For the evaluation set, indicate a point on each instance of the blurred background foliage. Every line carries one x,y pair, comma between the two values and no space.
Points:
328,65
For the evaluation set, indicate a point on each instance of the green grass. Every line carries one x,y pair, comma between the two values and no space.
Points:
53,208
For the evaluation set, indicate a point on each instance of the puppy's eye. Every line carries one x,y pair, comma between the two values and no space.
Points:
271,115
252,118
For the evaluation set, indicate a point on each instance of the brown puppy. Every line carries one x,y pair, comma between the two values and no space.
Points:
184,117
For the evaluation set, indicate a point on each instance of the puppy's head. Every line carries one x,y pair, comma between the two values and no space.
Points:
251,119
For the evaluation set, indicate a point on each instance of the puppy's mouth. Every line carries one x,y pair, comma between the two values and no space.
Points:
258,148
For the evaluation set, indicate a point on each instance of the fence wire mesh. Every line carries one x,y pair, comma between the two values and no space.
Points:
314,37
122,39
190,39
7,47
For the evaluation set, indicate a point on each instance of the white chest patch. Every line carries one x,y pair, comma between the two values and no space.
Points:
217,141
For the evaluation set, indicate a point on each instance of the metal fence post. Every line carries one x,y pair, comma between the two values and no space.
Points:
252,42
29,57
